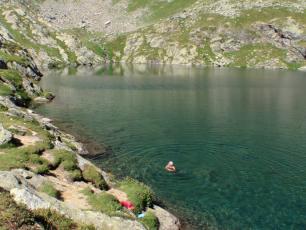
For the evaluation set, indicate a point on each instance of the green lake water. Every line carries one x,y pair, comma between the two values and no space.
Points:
237,137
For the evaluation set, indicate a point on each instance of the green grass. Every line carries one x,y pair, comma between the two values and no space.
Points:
11,75
103,202
91,174
91,40
13,58
53,220
66,159
25,156
256,53
76,175
16,216
5,90
13,216
23,36
206,53
159,9
116,45
150,221
138,193
49,189
69,162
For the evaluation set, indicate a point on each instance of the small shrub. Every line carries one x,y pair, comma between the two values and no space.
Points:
150,221
69,165
103,202
90,174
53,220
42,169
76,175
138,193
49,189
86,227
66,159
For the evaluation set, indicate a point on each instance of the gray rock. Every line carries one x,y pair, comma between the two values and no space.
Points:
166,219
29,198
8,181
303,68
100,221
41,100
32,89
5,135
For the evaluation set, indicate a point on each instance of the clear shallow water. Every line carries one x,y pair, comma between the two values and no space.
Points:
238,137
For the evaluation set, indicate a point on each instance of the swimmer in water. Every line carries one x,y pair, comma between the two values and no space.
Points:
170,167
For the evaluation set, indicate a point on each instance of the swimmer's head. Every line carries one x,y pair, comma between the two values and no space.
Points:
170,163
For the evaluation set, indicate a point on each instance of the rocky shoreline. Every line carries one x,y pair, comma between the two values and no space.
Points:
24,185
44,181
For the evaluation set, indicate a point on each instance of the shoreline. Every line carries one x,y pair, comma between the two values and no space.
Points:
84,140
42,170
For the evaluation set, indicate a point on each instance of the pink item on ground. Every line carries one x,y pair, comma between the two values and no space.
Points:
129,205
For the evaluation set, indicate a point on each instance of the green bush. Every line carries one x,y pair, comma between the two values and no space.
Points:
66,159
150,221
49,189
53,220
138,193
103,202
91,174
42,169
76,175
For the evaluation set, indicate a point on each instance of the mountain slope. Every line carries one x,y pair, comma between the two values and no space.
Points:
249,33
257,35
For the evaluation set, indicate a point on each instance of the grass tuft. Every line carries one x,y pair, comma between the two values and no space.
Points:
91,174
103,202
138,193
49,189
150,221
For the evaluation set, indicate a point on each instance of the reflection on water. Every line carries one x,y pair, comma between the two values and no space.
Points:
236,136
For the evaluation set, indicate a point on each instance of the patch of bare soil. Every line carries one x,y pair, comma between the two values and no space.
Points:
27,140
71,192
120,195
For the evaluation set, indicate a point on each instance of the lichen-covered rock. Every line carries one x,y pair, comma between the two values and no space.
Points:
5,135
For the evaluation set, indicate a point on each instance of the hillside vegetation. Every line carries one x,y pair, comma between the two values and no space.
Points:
235,33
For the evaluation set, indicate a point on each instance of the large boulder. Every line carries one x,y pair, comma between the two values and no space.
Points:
303,68
5,135
167,221
8,181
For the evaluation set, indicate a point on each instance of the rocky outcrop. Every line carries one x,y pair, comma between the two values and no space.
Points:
23,187
167,220
255,34
49,47
5,135
34,138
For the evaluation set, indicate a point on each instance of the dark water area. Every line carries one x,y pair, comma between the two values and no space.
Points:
237,137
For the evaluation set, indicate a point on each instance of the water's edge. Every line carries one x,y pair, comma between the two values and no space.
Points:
97,149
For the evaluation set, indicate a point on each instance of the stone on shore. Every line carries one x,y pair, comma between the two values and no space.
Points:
5,135
167,221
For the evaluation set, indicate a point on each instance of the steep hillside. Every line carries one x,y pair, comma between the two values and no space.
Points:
48,46
253,34
249,33
45,183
